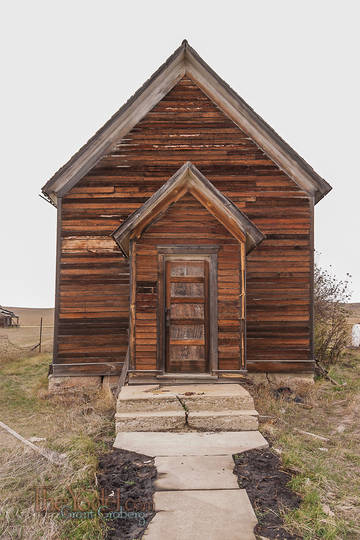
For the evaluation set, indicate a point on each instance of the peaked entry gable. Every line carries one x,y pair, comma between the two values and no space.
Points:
188,179
186,61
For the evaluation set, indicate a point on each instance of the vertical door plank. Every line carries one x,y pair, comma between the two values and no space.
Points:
187,316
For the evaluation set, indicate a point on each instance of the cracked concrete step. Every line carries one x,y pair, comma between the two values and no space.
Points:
209,397
147,398
176,421
150,421
195,397
223,420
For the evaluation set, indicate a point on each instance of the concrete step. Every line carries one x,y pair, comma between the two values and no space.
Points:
213,397
203,407
193,397
223,420
147,398
150,421
183,421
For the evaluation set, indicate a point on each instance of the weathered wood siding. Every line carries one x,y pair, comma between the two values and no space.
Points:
94,282
188,222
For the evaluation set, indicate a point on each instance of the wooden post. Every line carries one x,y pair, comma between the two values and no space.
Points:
243,307
132,321
51,455
40,337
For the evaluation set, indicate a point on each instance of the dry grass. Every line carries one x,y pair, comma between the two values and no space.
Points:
327,473
81,428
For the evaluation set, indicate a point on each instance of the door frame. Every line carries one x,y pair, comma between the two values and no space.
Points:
190,252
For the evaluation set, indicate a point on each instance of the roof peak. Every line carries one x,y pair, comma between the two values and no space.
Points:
186,61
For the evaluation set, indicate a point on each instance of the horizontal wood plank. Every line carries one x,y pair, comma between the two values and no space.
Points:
94,275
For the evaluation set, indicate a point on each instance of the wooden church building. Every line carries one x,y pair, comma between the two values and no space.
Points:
185,239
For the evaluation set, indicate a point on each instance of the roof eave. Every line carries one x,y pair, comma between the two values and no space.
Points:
185,176
128,115
260,131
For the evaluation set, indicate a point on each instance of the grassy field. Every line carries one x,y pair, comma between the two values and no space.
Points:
326,472
27,334
82,428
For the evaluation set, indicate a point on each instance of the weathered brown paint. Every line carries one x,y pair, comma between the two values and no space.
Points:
93,286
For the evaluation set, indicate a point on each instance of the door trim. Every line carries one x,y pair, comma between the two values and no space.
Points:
191,252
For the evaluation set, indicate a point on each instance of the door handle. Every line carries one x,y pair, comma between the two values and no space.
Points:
167,316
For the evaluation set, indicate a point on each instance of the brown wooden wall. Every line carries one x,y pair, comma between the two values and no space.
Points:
94,283
188,222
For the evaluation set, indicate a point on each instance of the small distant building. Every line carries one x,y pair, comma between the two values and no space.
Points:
8,318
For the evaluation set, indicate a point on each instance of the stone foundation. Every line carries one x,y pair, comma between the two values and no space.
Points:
292,380
59,384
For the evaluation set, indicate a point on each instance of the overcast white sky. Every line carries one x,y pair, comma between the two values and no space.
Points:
67,66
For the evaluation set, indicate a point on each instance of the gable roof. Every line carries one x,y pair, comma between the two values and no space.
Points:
188,179
186,61
6,312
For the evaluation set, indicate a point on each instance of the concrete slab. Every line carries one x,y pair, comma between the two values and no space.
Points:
150,421
205,397
190,444
216,390
199,515
194,396
223,420
195,472
147,398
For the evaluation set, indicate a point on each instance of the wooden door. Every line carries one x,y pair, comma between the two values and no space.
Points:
187,316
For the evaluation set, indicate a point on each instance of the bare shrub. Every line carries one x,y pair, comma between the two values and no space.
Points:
331,331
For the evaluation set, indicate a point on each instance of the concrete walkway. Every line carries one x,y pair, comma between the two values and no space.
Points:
200,515
197,495
193,443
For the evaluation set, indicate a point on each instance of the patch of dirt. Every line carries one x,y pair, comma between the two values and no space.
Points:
125,479
261,474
